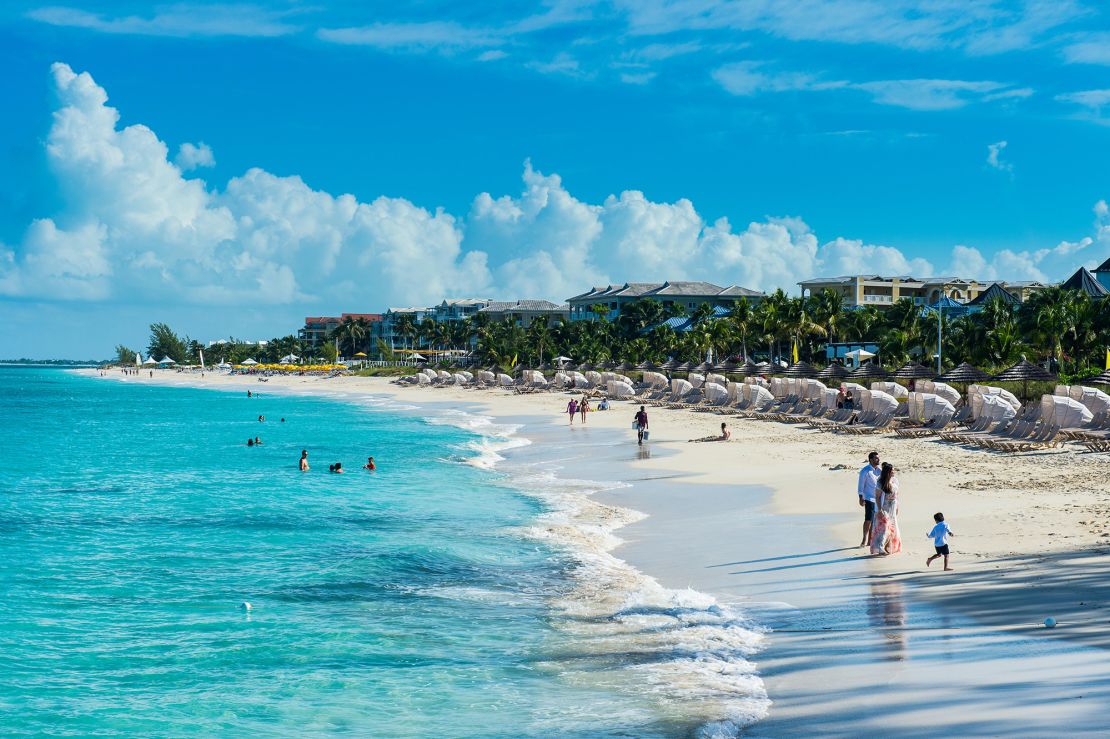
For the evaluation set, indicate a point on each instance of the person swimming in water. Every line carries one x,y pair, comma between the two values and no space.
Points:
337,468
261,419
369,464
250,442
304,460
257,441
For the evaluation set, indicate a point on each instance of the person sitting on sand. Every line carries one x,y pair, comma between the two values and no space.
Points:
369,464
304,460
603,405
725,435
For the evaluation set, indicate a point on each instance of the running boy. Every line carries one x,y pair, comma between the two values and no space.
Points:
939,535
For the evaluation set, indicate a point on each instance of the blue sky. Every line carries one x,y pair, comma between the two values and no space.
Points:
232,168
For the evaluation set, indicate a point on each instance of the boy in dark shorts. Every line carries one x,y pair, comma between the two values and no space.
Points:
939,535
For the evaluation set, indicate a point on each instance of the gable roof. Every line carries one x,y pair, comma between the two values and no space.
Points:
995,291
505,306
1084,281
1104,267
669,289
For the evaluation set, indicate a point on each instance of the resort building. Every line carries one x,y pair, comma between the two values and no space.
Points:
862,290
458,309
316,328
687,295
390,333
1102,274
525,312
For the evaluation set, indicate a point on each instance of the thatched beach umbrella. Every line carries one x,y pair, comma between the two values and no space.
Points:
801,369
608,364
964,374
748,369
763,368
913,371
868,370
684,367
705,367
1103,379
585,367
1023,372
833,372
670,365
647,366
625,366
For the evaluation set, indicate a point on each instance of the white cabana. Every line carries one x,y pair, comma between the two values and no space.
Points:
758,395
811,389
949,393
560,379
993,407
618,389
857,391
828,399
625,379
468,375
593,378
734,390
166,360
881,402
858,356
486,376
460,378
655,379
1095,400
149,361
504,380
444,375
695,379
1064,411
778,387
719,379
715,392
288,359
927,406
248,362
891,388
680,388
579,379
422,379
992,390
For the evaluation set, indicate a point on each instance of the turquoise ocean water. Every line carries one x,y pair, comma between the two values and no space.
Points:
437,596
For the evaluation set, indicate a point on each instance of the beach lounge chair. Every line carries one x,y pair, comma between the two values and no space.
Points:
930,428
880,423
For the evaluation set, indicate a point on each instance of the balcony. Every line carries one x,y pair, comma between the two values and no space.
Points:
878,299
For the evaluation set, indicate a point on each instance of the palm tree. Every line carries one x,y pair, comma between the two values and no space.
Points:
800,324
539,337
743,318
827,308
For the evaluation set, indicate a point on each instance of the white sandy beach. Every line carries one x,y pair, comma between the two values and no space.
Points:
859,645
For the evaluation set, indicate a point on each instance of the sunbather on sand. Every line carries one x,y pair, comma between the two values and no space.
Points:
725,435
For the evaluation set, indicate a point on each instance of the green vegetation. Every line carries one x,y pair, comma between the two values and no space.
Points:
386,371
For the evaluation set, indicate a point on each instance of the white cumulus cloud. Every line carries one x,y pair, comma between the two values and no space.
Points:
994,157
191,156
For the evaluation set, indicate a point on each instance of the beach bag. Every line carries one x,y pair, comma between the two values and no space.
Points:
635,425
647,435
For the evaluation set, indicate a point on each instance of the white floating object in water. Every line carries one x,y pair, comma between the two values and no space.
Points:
244,606
1050,622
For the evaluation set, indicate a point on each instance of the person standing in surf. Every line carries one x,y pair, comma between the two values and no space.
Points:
572,408
584,408
304,460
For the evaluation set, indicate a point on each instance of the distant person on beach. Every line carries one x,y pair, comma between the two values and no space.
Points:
725,435
369,464
603,405
248,393
584,408
641,421
886,538
939,534
849,401
304,460
841,398
572,408
866,485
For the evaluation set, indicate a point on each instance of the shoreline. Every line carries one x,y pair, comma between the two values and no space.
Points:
765,523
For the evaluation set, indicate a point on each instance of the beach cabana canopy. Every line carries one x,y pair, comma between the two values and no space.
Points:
618,389
1096,400
833,372
964,373
715,393
1064,412
993,407
890,388
166,360
867,370
949,393
290,358
248,362
880,402
927,406
680,388
801,369
913,371
150,360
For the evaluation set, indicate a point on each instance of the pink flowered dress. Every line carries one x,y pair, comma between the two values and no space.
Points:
885,536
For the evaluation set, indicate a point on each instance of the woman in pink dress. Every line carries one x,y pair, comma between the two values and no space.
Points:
885,535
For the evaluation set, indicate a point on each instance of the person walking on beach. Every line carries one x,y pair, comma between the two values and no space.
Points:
641,425
304,460
866,486
572,408
886,538
584,408
939,534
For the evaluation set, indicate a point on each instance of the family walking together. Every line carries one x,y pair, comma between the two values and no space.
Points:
878,496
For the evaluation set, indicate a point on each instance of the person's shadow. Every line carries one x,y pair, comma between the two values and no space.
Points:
643,452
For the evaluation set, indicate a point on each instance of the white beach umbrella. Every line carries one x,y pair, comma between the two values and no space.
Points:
486,376
993,407
618,389
248,362
715,392
288,359
1065,412
149,361
680,388
695,379
890,388
504,380
167,360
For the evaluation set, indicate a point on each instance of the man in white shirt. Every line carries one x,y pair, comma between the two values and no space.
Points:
868,483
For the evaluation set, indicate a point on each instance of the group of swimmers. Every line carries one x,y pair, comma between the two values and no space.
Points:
337,468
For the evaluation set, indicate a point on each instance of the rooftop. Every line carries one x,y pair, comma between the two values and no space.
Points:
668,289
505,306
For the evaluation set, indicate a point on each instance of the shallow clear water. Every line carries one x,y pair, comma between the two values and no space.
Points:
410,601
